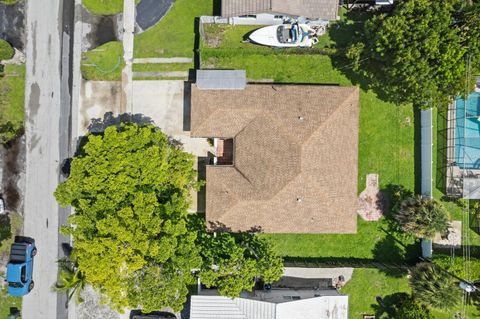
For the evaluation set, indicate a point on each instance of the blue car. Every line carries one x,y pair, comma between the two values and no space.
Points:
20,267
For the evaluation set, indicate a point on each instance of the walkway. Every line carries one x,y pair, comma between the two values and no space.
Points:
128,37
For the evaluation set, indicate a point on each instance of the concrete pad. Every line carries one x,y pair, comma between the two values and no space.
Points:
96,99
167,103
454,238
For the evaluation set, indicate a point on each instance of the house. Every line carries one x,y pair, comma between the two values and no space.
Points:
274,304
286,155
313,9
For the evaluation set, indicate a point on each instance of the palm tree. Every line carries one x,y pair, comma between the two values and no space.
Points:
70,280
431,286
422,217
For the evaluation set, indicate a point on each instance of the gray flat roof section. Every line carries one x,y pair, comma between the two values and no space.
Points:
221,79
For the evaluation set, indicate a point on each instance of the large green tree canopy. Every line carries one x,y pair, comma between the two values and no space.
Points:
133,238
419,52
129,187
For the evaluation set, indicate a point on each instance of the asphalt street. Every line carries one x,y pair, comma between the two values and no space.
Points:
49,24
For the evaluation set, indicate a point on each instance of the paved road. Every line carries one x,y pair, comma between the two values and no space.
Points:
47,104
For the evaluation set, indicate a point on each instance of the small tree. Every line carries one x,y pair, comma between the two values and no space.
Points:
6,50
70,280
422,217
433,287
411,309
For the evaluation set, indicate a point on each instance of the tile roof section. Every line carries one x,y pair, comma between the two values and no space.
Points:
295,157
317,9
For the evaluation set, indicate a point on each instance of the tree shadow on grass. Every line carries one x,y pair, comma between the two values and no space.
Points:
385,306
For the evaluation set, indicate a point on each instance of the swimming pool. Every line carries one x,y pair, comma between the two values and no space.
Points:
467,132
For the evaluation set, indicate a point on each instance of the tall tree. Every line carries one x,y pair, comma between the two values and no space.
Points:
130,189
418,53
422,217
433,287
232,262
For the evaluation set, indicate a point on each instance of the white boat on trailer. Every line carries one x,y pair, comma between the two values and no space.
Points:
288,35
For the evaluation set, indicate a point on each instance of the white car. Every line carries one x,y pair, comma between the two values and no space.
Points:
287,35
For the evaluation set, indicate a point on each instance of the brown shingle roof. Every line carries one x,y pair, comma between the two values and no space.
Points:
318,9
295,157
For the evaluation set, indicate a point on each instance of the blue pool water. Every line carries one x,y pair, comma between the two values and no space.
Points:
467,132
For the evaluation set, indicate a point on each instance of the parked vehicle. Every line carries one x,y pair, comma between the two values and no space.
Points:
20,266
288,35
156,315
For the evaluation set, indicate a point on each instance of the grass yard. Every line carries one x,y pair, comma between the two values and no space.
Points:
104,7
7,302
103,63
366,285
12,96
174,35
372,242
161,67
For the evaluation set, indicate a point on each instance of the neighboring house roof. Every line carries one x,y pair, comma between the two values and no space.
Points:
295,157
318,9
325,307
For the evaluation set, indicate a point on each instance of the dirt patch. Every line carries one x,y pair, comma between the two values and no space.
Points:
371,201
13,168
214,35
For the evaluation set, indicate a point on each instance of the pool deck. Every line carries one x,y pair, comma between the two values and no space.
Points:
455,175
454,183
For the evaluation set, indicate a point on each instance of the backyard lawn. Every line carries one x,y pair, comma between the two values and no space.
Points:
372,242
368,284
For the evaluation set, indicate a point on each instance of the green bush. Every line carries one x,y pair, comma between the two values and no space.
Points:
5,227
455,265
6,50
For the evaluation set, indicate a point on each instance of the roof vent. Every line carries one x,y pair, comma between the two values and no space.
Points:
301,118
299,199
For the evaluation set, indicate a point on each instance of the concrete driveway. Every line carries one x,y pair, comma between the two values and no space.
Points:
165,103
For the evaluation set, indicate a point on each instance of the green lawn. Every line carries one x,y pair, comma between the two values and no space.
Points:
7,302
373,241
12,96
174,35
161,67
104,7
104,63
367,284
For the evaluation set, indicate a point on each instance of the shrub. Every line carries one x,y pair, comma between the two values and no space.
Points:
422,217
432,286
6,50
